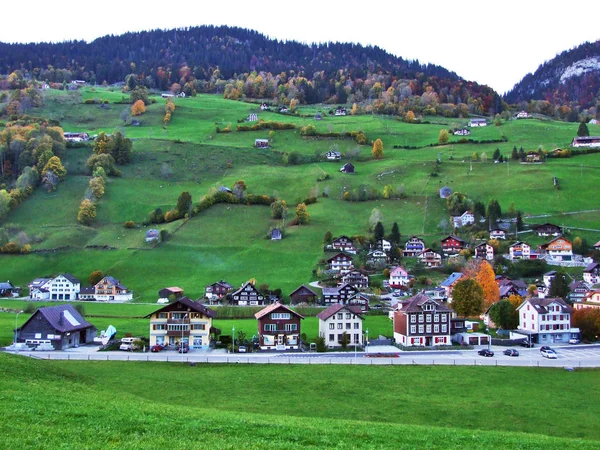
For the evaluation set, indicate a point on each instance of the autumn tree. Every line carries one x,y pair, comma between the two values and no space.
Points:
377,151
588,322
279,209
444,137
467,298
302,215
409,117
239,189
96,186
138,108
487,280
4,203
139,93
95,277
104,162
504,315
515,300
55,165
184,204
87,212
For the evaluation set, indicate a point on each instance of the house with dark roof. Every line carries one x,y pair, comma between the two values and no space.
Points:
7,289
578,290
303,294
152,235
340,294
356,279
445,192
340,263
484,251
413,247
453,244
344,244
247,295
449,283
591,273
422,321
430,258
63,287
167,292
182,321
39,289
347,168
341,322
111,289
276,234
360,301
333,155
545,321
278,327
216,291
62,325
548,229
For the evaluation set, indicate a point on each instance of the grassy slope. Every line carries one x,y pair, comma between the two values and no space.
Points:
117,406
228,243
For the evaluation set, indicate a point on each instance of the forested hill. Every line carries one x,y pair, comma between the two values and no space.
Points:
157,58
572,77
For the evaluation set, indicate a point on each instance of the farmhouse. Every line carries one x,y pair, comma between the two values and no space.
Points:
413,247
586,141
283,110
264,107
545,321
7,289
214,292
466,218
347,168
462,132
303,294
76,137
261,143
591,274
430,258
559,248
399,278
497,233
39,289
62,325
484,251
453,244
340,263
339,322
247,295
477,123
520,250
340,294
183,321
360,301
548,229
167,292
340,111
109,288
523,115
344,244
63,287
422,321
278,327
356,279
333,155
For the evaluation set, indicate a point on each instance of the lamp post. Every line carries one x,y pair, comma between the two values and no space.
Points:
367,343
233,337
181,343
16,335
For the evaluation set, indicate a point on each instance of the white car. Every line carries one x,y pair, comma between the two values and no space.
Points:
550,354
574,341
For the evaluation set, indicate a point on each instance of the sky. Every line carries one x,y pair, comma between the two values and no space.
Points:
494,43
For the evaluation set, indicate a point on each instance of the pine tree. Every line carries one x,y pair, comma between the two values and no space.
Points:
583,130
395,236
378,232
559,286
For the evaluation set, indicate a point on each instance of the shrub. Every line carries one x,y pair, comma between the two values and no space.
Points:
129,224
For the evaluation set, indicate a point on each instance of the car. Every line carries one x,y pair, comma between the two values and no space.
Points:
511,352
526,344
127,344
574,341
156,348
486,352
396,294
184,349
377,306
545,348
242,349
550,354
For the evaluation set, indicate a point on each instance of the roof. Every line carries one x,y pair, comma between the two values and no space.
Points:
591,267
70,277
243,286
339,254
6,285
541,304
152,232
113,281
415,304
398,271
269,309
452,237
174,289
454,277
275,233
190,305
63,318
87,290
305,287
546,225
333,309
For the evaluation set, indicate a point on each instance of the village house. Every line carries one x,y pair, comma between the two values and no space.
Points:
39,289
340,263
578,290
477,123
591,300
170,292
591,273
422,321
303,294
376,256
484,251
522,115
413,247
497,233
356,279
453,244
111,289
548,229
261,143
339,322
333,155
247,295
347,168
545,321
466,218
462,132
184,322
275,234
62,325
449,283
152,235
264,107
63,287
7,289
340,294
430,258
586,141
560,249
359,301
399,278
216,291
520,250
278,327
384,245
343,244
340,111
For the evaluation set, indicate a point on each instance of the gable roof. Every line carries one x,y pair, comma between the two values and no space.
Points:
189,304
343,255
305,287
63,318
454,276
415,304
451,236
269,309
6,285
541,304
335,308
590,267
69,277
113,281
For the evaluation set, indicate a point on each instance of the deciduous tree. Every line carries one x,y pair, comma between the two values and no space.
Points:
184,203
138,108
467,298
377,151
444,137
87,212
55,165
487,280
559,286
588,322
95,277
504,315
302,215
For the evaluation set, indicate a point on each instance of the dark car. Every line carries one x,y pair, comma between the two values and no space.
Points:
184,349
511,352
156,348
546,348
527,344
486,352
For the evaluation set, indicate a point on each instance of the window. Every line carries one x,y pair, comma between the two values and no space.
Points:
291,327
413,329
340,326
428,318
348,316
428,329
331,337
270,327
436,328
280,316
332,326
198,326
444,328
436,317
413,318
356,326
159,326
421,328
348,326
178,315
340,316
421,318
356,338
178,327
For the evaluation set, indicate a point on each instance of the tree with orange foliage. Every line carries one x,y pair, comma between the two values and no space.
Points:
138,108
487,280
515,300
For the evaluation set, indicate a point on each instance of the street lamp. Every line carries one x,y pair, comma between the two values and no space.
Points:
181,348
367,343
233,336
16,317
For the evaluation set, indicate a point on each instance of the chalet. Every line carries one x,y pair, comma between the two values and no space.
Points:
278,328
413,247
523,115
545,321
276,234
340,294
477,123
339,322
453,244
559,248
170,292
39,289
586,141
344,244
283,110
261,143
252,117
360,301
429,258
520,250
340,111
466,218
347,168
76,137
484,251
303,294
333,155
87,293
7,289
62,325
216,291
63,287
497,233
449,283
264,107
591,273
109,288
445,192
590,301
548,229
399,278
578,291
519,286
462,132
384,245
152,235
506,290
356,279
422,321
375,256
182,322
247,295
340,263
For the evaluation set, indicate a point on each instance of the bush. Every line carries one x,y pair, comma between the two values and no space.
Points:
320,341
129,224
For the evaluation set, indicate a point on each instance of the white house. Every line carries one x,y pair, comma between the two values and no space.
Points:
497,233
413,247
545,321
64,287
384,245
333,155
466,218
449,283
520,250
399,277
477,123
39,289
591,274
340,263
484,251
522,115
341,320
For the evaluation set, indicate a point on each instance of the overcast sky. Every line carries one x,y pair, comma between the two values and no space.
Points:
495,45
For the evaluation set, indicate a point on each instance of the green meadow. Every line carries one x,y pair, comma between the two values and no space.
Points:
229,242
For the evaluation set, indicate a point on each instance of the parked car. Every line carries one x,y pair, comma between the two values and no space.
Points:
242,349
550,354
184,349
127,344
486,352
511,352
156,348
527,344
545,348
574,341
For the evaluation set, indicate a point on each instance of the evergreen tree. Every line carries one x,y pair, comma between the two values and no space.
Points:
378,232
519,223
522,155
583,130
328,238
496,155
515,154
559,286
478,210
184,204
395,236
494,213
